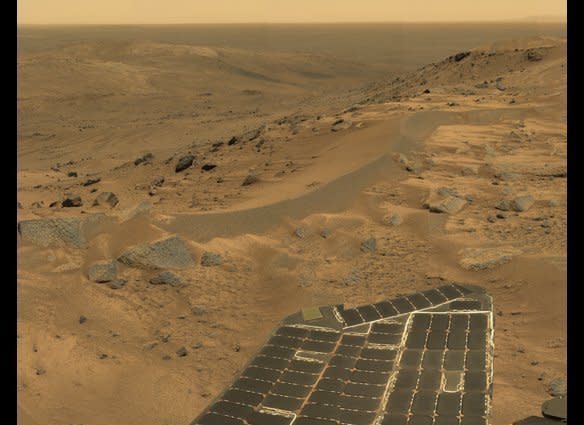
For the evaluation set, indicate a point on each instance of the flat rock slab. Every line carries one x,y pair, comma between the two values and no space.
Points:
486,258
170,253
102,271
69,231
450,205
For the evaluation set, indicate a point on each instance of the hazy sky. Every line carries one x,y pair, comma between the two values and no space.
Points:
203,11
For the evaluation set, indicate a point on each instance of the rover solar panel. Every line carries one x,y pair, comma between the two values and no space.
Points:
421,359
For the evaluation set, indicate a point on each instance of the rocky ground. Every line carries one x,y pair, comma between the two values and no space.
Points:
146,283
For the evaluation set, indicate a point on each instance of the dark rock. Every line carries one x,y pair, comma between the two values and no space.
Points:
106,199
208,167
146,158
483,85
325,233
250,179
40,371
82,319
233,141
184,163
460,56
72,174
369,245
72,201
197,345
502,215
53,204
182,352
166,278
209,259
426,91
37,204
91,181
215,147
102,271
341,124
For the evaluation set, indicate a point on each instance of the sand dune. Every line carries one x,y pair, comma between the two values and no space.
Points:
457,169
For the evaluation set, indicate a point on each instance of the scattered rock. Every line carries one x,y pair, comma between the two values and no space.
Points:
184,163
91,181
199,310
534,363
394,219
237,348
106,199
166,357
502,215
369,245
215,147
341,124
72,201
102,271
426,91
208,167
450,205
40,371
521,349
37,204
483,85
150,345
468,171
82,319
72,174
553,203
503,205
491,219
522,203
145,159
209,259
182,352
233,141
197,345
118,283
534,56
299,232
325,233
500,86
169,253
157,182
558,387
460,56
166,278
250,179
477,259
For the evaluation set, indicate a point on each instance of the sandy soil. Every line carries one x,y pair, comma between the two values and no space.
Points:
405,150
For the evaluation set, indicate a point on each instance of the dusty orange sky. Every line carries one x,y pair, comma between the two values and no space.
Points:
228,11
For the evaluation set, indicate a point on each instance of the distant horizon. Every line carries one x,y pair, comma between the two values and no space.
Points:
526,20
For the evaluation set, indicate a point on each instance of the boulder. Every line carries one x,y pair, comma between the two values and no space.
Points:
69,231
184,163
102,271
108,199
558,387
169,253
209,259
